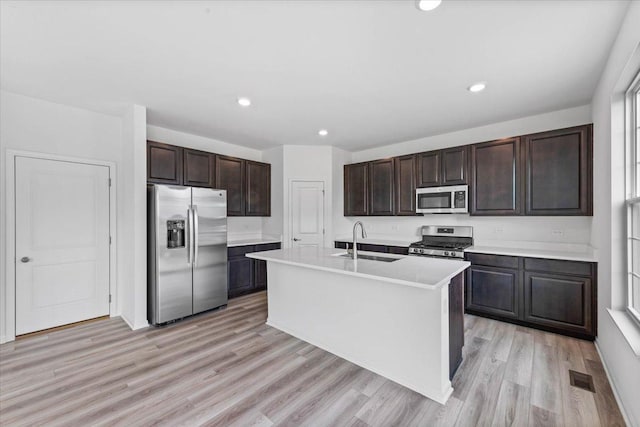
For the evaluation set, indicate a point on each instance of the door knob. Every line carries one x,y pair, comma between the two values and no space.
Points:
296,239
25,259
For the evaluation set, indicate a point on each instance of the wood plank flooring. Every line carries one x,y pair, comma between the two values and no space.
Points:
227,368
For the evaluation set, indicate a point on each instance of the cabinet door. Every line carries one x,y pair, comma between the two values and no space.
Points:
230,177
428,168
260,274
258,199
494,291
558,169
356,189
198,168
495,178
454,165
559,301
164,163
381,187
240,276
405,185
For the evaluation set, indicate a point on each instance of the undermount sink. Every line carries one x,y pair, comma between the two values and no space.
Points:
369,257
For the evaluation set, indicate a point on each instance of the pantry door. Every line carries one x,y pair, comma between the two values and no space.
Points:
62,242
307,214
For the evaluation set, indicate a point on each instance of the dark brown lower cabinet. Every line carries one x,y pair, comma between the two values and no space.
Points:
494,290
456,323
554,295
558,301
247,275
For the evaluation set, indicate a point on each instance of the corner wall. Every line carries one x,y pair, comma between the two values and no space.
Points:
609,223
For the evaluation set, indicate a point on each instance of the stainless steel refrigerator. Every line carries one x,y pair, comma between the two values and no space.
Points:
187,251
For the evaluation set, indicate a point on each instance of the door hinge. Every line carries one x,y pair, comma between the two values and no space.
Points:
109,239
109,298
323,231
109,182
323,192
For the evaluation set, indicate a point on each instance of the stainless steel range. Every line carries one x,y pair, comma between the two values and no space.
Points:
443,241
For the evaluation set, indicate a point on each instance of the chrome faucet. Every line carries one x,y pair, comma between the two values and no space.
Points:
355,238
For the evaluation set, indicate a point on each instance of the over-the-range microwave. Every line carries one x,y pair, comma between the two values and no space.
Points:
452,199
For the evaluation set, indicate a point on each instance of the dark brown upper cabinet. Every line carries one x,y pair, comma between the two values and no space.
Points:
164,163
405,185
381,185
558,172
496,178
428,169
199,168
258,180
230,176
356,182
442,167
454,165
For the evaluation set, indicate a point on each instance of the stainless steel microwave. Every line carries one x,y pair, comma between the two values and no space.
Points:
452,199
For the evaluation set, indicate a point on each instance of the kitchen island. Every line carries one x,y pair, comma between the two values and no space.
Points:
397,316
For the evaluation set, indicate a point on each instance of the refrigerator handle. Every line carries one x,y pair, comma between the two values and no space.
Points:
189,237
196,230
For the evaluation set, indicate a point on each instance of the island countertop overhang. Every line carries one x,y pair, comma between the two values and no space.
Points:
420,272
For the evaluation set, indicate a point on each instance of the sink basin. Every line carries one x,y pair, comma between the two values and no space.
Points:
370,257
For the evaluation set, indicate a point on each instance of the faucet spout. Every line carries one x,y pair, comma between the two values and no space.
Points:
355,238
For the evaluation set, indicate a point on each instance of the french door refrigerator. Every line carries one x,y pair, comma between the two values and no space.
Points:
187,251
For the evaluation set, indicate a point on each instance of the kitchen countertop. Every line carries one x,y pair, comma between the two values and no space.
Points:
582,253
421,272
252,241
561,251
379,241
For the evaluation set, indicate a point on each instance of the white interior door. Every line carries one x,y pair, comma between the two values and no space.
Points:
62,243
307,213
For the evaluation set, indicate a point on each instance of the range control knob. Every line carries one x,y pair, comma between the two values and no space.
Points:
453,254
446,253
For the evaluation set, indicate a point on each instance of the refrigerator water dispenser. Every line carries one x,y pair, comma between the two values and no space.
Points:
175,233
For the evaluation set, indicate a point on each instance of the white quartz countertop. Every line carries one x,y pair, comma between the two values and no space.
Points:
379,241
421,272
252,241
571,253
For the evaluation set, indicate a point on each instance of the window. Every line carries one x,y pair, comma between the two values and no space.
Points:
633,197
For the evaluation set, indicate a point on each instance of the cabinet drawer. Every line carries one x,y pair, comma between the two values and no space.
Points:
558,266
267,247
493,260
341,245
372,248
239,251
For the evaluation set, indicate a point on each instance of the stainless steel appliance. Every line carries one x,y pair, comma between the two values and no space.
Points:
443,241
187,251
452,199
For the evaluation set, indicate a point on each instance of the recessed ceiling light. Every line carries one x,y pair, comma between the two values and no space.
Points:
426,5
477,87
245,102
323,132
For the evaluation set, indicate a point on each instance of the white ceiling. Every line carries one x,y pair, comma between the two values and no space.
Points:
371,72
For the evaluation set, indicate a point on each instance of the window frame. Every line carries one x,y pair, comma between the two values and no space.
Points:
632,196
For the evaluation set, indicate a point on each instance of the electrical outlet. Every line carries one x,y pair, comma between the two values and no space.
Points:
498,231
557,233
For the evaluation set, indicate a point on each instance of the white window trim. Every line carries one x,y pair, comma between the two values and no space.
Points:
632,124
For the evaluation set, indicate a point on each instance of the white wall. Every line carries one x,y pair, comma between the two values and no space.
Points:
537,229
44,127
273,225
608,228
238,227
132,275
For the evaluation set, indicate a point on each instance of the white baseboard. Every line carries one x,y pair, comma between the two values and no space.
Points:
613,386
131,324
3,339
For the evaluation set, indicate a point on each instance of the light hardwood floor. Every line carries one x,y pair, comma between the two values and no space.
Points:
227,368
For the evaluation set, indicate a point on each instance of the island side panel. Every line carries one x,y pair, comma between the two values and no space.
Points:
456,323
397,331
